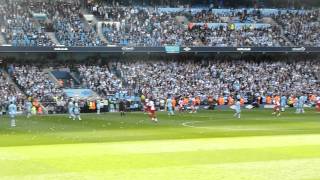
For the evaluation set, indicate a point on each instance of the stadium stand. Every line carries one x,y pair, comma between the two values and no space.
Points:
111,80
301,28
36,84
19,27
9,92
33,23
29,23
219,77
100,79
71,30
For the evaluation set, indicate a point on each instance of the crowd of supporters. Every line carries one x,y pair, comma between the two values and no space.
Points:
206,78
36,84
149,26
8,91
301,29
19,27
71,29
99,79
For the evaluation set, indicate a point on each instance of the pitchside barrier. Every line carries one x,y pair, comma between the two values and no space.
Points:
164,49
272,106
266,106
80,93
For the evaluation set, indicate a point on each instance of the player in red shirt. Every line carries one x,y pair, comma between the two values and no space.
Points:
318,104
276,108
145,106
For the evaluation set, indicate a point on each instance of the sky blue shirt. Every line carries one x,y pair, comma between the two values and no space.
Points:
12,109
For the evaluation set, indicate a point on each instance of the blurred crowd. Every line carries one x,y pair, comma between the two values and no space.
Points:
205,78
8,91
70,27
18,26
36,84
131,80
301,29
149,27
100,79
26,23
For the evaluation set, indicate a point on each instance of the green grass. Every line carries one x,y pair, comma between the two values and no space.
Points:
206,145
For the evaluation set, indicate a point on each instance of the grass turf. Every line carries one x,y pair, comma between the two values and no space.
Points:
206,145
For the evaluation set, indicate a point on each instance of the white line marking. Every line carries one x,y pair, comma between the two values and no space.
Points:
186,124
190,124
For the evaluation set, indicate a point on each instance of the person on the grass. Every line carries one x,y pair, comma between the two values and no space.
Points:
237,109
276,108
70,109
192,103
318,103
152,110
180,105
76,111
169,106
28,107
98,106
122,107
300,105
283,102
145,106
12,113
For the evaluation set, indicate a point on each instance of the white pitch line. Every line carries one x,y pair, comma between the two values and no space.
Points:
190,125
186,124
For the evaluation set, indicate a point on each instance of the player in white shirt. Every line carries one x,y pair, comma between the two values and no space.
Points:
180,105
237,109
76,111
99,105
152,110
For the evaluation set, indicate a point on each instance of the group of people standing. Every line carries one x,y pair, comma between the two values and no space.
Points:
74,110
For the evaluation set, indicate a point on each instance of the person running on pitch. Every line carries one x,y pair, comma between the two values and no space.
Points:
152,110
283,102
276,108
169,106
122,107
28,107
12,113
76,111
70,109
98,106
237,109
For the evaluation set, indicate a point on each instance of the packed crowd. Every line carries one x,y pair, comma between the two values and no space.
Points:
70,28
224,37
161,79
19,27
8,91
36,84
147,26
100,79
208,78
301,29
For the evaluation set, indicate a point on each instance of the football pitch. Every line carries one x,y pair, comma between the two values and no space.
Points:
206,145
